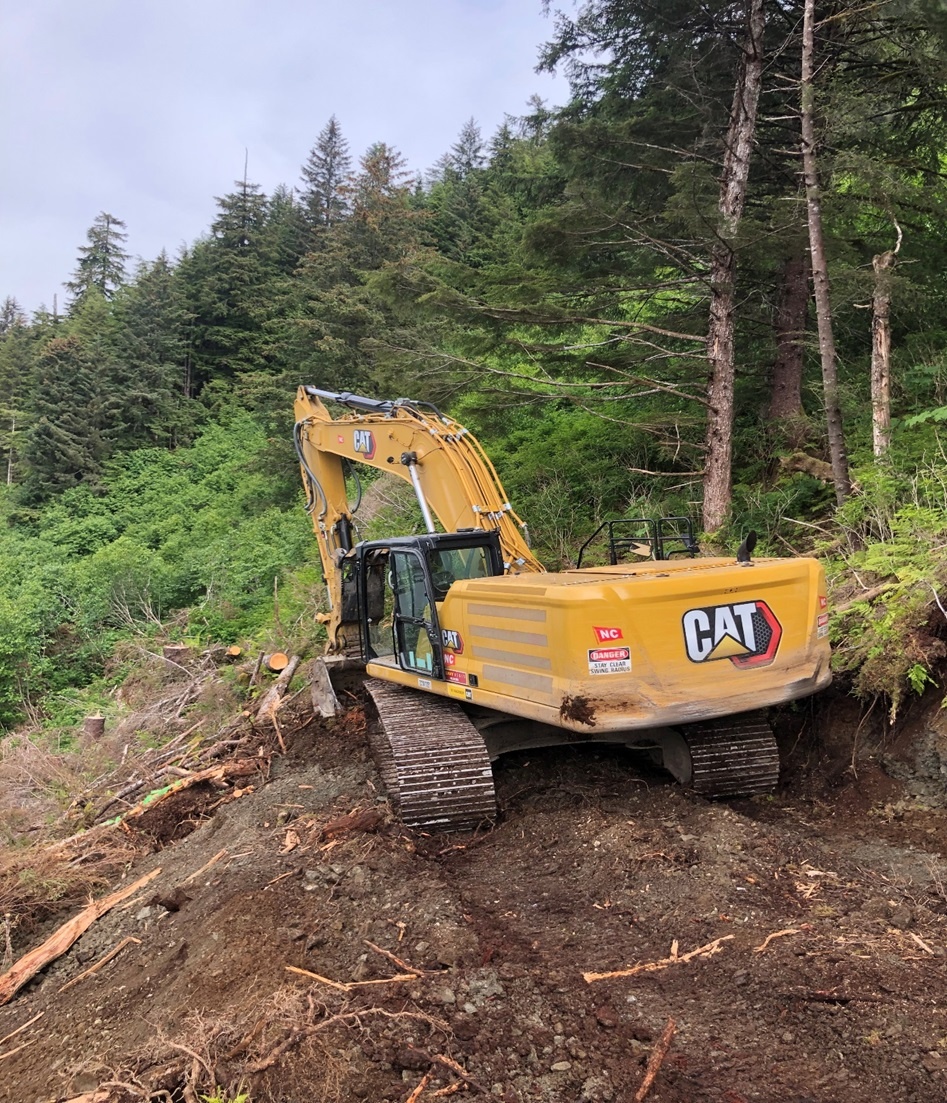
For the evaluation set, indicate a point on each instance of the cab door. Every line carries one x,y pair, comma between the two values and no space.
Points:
417,636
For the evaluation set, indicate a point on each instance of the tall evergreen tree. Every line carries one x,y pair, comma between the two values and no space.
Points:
151,358
101,262
324,177
65,445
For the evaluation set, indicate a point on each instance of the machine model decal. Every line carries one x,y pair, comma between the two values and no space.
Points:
453,640
363,441
747,633
610,660
457,676
606,635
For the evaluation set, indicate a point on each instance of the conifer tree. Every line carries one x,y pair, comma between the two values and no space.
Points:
65,445
101,262
324,178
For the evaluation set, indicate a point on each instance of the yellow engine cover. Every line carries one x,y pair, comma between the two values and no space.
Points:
618,648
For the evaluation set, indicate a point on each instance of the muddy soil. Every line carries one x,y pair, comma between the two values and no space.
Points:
300,956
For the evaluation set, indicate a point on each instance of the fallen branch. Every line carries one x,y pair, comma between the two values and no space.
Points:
656,1060
316,976
348,986
20,1029
4,1056
416,1094
776,934
708,950
205,867
58,943
225,773
392,958
104,960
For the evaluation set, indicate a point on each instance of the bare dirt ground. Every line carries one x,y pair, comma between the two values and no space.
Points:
303,958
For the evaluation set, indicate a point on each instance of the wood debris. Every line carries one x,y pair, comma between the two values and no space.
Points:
920,941
20,1029
656,1060
58,943
205,867
674,958
273,698
776,934
362,819
104,960
349,986
416,1094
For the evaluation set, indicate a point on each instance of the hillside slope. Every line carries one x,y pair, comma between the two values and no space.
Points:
821,918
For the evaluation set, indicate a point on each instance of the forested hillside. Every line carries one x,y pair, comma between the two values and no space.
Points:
713,283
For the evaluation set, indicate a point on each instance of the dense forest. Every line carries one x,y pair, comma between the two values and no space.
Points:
713,283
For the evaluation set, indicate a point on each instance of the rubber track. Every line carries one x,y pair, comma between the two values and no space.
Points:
735,756
432,759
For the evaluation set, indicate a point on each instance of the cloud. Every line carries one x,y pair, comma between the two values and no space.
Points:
147,109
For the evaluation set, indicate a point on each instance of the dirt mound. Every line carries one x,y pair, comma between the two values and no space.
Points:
299,945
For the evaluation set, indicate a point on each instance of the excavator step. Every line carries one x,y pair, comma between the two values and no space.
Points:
734,756
432,759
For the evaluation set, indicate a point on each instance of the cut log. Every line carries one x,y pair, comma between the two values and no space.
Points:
278,661
273,697
324,700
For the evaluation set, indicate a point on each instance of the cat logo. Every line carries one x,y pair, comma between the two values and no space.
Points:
453,640
747,633
363,441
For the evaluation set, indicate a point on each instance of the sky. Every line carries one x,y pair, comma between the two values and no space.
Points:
146,109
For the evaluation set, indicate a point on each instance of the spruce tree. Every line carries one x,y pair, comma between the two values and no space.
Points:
65,445
101,263
324,175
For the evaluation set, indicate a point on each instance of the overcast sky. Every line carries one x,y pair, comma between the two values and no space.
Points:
144,108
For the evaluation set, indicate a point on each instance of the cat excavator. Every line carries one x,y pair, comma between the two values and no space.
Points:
472,649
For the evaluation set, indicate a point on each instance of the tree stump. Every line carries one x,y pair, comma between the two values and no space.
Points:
93,727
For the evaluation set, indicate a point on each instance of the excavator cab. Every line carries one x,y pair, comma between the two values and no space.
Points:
401,582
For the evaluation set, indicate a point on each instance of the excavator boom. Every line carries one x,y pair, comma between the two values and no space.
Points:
453,479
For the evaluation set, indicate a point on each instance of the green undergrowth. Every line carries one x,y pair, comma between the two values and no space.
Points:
194,544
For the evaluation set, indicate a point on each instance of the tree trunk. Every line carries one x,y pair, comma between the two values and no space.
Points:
881,351
723,271
785,406
820,274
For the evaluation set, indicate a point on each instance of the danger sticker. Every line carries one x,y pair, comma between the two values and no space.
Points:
822,628
609,660
457,676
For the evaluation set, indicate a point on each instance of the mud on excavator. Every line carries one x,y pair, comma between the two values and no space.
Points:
472,649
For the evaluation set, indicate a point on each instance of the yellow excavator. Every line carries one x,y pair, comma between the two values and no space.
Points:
472,649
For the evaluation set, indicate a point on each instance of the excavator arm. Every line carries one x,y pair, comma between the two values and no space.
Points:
453,480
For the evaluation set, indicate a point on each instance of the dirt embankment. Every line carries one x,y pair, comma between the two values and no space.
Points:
297,955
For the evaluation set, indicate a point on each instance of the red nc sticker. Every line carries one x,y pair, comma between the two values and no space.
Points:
606,635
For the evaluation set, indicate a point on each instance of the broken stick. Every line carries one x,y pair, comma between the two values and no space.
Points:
675,958
58,943
656,1060
776,934
104,960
